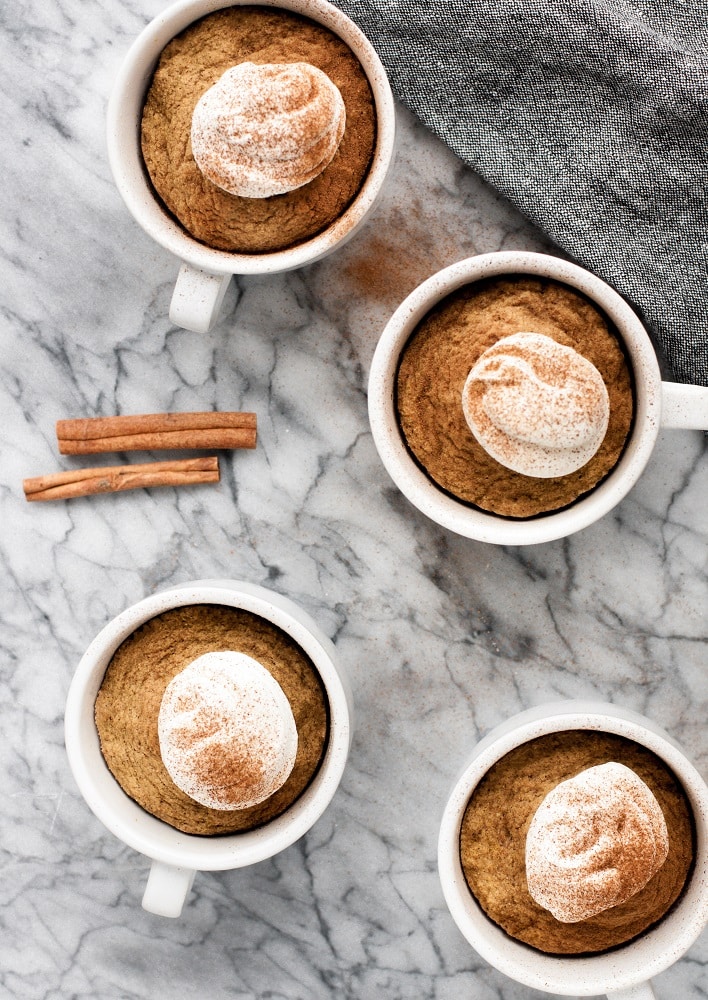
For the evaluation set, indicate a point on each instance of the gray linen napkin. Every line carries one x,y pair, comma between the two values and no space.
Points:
591,116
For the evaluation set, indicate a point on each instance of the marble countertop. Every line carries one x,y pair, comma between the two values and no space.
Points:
442,637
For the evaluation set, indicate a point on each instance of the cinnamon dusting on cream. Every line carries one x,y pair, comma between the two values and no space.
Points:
594,842
538,407
227,734
266,129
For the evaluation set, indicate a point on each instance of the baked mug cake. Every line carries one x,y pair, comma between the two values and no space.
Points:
212,719
573,850
514,395
258,128
515,398
249,138
577,842
208,728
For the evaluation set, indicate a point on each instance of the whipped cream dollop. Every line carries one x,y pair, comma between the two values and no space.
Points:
536,406
594,842
226,729
267,129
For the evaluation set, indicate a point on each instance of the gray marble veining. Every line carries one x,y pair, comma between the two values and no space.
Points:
442,637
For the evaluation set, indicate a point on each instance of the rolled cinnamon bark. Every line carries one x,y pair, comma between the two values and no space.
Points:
115,478
156,431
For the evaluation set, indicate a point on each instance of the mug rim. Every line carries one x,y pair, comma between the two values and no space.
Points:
130,175
619,968
130,822
472,522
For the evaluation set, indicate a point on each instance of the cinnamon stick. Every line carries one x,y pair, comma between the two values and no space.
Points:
155,431
115,478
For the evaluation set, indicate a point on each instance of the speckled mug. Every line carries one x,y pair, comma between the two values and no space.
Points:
657,404
177,856
622,973
205,273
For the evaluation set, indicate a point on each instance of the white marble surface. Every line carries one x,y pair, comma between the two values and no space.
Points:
442,637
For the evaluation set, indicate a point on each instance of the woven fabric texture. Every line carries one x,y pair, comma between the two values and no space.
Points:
591,116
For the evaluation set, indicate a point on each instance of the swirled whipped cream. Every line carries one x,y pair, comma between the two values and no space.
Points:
594,842
266,129
227,734
536,406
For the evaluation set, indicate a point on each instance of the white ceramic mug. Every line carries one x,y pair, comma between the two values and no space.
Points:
176,856
622,973
658,404
205,273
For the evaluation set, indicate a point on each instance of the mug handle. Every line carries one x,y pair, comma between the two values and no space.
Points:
642,991
197,298
167,888
684,406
